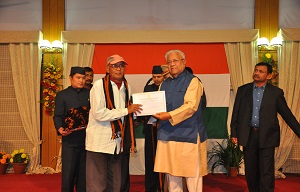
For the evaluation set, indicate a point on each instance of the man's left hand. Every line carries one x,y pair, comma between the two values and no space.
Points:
133,150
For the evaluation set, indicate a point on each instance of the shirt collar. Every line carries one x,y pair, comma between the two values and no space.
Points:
263,87
75,89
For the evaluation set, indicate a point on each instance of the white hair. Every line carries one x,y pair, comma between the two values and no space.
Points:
175,51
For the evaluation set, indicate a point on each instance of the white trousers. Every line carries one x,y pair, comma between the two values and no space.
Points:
194,184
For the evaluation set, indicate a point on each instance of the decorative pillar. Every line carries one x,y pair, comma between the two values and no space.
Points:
53,23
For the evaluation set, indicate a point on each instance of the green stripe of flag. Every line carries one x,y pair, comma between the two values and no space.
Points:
215,119
138,130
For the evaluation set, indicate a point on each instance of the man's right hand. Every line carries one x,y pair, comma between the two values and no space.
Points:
134,108
63,132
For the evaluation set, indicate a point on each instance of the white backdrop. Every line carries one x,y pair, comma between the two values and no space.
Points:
159,15
21,15
289,14
145,14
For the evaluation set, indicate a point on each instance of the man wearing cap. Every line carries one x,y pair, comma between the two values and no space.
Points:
74,98
152,180
110,131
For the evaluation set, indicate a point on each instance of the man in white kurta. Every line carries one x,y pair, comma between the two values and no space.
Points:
109,134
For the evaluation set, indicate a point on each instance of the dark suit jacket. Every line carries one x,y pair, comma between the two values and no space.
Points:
273,102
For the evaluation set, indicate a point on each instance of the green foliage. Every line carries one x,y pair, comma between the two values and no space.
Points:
226,154
19,157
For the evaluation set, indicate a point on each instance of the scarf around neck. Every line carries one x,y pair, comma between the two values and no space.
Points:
117,125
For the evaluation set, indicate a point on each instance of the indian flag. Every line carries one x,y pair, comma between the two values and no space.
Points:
208,62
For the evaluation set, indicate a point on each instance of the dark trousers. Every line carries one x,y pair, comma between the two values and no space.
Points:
103,172
125,185
152,180
259,165
73,168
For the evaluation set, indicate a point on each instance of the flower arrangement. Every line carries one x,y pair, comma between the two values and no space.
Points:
4,158
50,85
268,58
19,156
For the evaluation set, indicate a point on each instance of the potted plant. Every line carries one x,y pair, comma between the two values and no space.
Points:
19,160
4,160
227,154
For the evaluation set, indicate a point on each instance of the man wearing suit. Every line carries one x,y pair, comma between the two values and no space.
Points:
255,126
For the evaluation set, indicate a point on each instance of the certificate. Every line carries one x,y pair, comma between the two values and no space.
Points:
153,102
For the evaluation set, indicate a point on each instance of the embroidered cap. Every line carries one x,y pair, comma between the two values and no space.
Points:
115,59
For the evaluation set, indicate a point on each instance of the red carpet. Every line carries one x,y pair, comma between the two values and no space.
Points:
212,183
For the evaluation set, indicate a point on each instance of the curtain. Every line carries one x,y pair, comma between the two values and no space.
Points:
289,81
26,69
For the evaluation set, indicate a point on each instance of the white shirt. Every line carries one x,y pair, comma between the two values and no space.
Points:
99,132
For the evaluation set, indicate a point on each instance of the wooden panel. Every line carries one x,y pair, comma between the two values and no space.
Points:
53,20
274,18
257,14
46,19
267,17
53,24
61,20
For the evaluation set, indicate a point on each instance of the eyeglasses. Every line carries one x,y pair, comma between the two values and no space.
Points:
176,61
118,65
